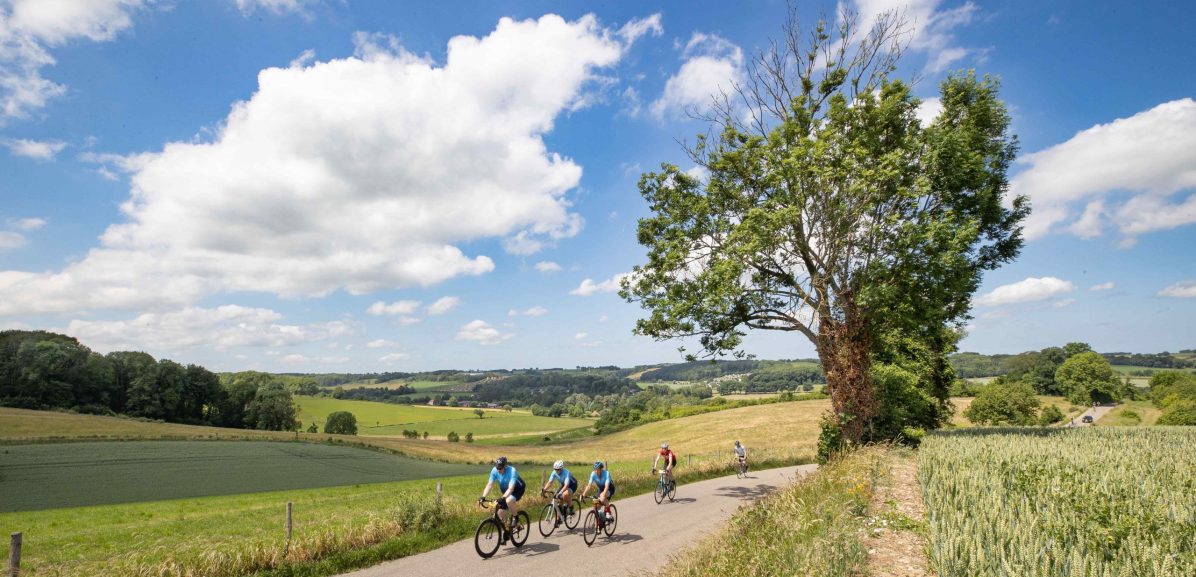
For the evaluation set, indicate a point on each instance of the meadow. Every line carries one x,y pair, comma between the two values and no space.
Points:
1096,501
1131,414
54,475
374,418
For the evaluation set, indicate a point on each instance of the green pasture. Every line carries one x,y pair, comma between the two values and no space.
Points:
374,418
54,475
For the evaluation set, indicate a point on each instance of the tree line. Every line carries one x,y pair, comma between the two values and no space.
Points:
44,370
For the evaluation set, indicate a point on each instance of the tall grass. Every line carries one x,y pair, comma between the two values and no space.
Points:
1091,502
813,527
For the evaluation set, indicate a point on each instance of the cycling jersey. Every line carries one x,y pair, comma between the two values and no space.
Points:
669,456
505,477
740,451
601,481
565,478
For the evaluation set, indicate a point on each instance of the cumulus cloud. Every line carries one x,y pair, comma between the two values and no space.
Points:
1029,290
29,29
547,266
363,173
297,359
29,223
589,287
393,358
275,6
536,311
933,30
633,30
580,336
381,344
481,332
1105,286
443,305
219,328
1182,289
381,308
928,110
35,149
11,240
1150,156
712,66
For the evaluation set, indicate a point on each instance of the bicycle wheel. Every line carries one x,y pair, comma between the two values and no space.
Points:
589,529
523,526
547,519
672,489
738,471
661,491
486,539
614,520
574,514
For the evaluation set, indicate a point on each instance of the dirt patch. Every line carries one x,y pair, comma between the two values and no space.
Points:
896,541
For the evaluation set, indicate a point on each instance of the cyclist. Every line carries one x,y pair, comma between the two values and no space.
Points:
740,454
568,487
600,478
512,486
670,461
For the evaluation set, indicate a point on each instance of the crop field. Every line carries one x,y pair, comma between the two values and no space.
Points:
24,425
53,475
1100,502
375,418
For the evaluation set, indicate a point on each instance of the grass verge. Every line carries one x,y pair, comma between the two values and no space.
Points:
813,527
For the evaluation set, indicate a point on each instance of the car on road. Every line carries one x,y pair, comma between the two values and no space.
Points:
1086,419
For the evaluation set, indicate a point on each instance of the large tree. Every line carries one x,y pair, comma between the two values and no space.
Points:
830,211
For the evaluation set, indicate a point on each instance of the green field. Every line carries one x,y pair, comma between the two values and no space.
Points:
1100,501
375,418
49,476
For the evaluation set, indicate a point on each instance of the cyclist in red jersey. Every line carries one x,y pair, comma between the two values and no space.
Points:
670,460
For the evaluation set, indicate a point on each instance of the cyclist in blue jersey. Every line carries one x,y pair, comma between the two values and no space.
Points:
600,478
568,486
510,483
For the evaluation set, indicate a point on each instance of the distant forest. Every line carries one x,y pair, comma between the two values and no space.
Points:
971,365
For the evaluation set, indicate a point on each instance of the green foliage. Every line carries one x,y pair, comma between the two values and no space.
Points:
313,428
1087,378
903,404
341,423
1004,404
468,437
453,437
1179,411
970,365
1166,383
272,409
831,442
1101,501
1051,415
964,388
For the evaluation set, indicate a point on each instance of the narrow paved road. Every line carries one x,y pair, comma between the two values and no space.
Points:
1096,412
647,534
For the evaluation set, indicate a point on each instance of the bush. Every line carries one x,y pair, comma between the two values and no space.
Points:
453,437
341,423
1179,412
1051,415
831,441
313,428
468,437
1004,404
418,512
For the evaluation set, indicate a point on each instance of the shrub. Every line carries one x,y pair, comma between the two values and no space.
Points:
1051,415
453,437
341,423
1179,412
468,437
1004,404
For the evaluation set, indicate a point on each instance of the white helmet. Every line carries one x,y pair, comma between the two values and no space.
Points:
664,445
558,465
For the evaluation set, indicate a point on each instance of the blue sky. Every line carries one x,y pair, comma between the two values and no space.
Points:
307,185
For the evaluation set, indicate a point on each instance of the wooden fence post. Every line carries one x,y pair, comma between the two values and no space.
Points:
689,460
287,548
14,556
439,494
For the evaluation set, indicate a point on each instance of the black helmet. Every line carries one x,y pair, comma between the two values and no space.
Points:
500,462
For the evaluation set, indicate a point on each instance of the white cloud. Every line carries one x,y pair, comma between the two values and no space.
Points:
1108,286
929,110
1063,303
1182,289
933,29
482,332
275,6
589,287
1029,290
381,344
35,149
1151,155
633,30
219,328
547,266
405,321
11,240
443,305
30,28
29,223
393,358
396,308
536,311
361,173
297,359
712,66
580,336
603,318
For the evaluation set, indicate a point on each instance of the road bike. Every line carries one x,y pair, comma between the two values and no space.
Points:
555,513
493,533
741,468
665,487
599,520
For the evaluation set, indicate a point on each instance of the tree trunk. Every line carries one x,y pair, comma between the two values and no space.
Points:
844,348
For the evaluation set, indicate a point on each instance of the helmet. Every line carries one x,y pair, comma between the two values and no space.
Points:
736,443
500,462
558,465
599,464
664,445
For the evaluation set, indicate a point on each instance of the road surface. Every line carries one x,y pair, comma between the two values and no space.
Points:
647,534
1097,412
